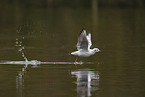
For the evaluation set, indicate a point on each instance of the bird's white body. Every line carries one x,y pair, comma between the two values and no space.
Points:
83,46
82,53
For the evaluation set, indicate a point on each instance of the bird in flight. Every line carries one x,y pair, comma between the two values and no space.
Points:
83,46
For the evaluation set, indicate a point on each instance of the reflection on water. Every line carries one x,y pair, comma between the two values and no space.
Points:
87,81
20,81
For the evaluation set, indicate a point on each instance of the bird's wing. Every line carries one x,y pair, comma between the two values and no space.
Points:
82,41
89,40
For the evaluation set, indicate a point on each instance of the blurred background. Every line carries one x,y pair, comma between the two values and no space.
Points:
48,30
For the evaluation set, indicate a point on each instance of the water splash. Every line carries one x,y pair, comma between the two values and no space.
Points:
19,44
36,62
20,76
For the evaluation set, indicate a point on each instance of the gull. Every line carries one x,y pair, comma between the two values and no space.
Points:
83,46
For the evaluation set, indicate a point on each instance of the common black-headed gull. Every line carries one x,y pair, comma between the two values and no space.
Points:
83,46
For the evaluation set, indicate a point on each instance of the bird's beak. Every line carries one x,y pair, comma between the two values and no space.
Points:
99,50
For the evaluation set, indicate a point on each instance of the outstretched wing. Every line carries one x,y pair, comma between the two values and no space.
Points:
89,40
83,41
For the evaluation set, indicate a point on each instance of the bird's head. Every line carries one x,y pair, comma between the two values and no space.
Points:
96,50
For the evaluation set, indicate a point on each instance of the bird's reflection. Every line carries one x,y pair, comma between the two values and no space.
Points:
87,81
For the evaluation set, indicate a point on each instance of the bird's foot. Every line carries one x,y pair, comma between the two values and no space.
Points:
78,63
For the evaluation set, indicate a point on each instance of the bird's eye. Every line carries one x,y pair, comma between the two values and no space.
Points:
97,50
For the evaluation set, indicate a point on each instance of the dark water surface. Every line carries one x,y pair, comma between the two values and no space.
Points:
50,35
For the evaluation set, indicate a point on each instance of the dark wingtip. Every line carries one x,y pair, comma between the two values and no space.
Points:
81,31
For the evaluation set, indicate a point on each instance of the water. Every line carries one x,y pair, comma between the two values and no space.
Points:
35,47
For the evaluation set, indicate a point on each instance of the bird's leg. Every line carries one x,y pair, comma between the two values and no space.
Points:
76,59
76,63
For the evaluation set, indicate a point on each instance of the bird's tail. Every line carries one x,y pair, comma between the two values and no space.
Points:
73,53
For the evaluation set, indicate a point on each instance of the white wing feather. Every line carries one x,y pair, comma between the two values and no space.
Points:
89,40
